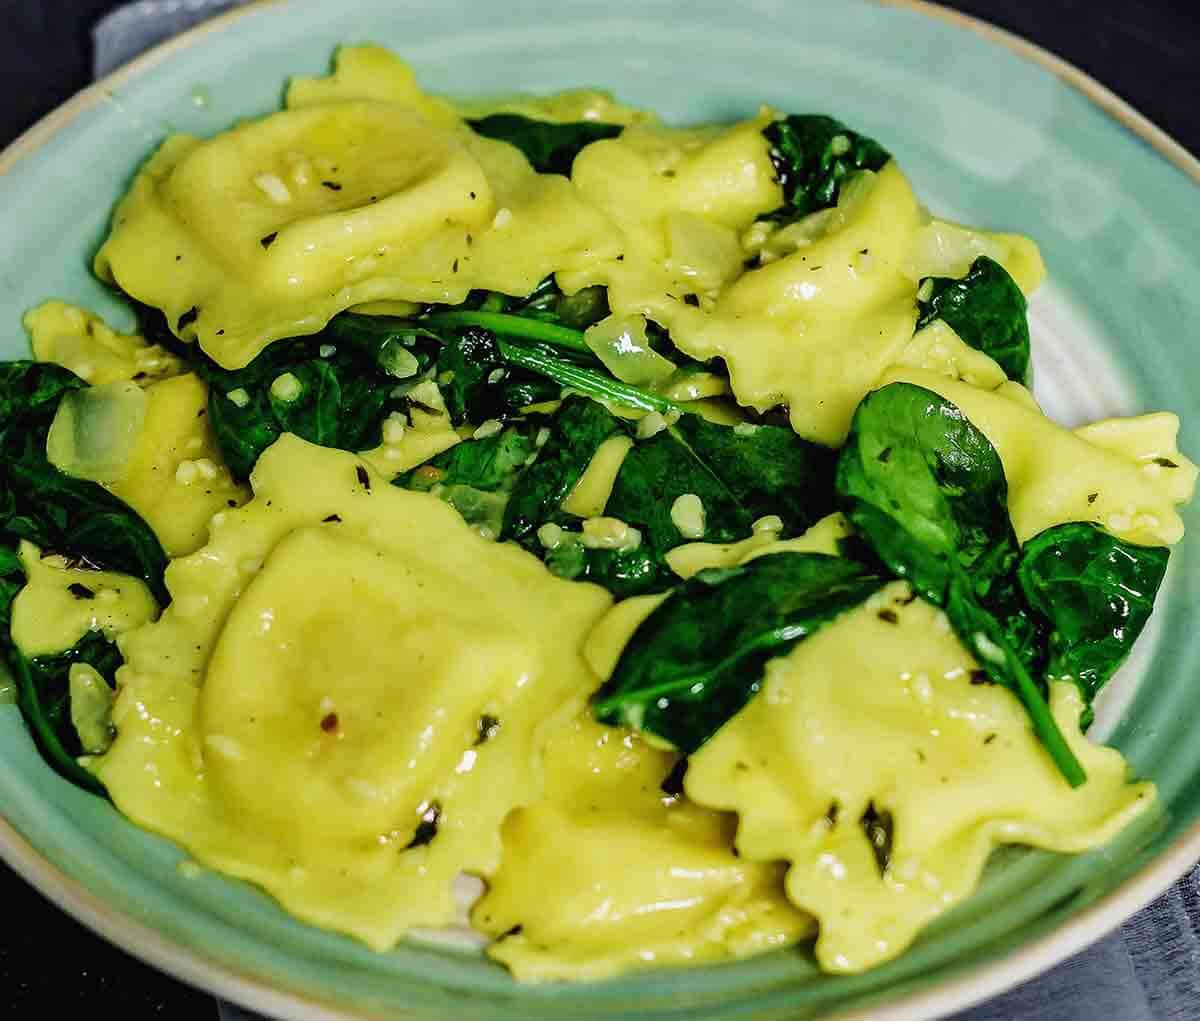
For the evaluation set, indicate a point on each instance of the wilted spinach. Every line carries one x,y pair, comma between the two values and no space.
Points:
739,476
699,657
813,155
550,148
347,385
476,476
926,490
576,432
1096,593
986,309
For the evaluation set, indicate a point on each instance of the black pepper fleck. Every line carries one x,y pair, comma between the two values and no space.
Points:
980,677
486,727
364,479
80,591
889,616
268,239
1165,462
331,185
332,519
427,828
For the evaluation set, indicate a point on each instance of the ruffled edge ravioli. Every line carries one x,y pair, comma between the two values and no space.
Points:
873,765
351,786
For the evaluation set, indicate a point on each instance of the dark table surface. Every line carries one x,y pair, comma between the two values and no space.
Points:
1148,52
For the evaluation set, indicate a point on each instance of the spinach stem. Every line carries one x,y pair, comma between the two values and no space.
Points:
505,325
1045,725
586,381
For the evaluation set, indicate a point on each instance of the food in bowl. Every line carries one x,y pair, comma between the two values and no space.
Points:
634,545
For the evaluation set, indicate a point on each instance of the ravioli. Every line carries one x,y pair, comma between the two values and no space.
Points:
875,720
813,329
307,712
176,479
608,873
363,191
59,604
82,342
1124,474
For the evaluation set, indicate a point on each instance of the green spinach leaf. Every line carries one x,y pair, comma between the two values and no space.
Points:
476,476
926,490
738,476
700,656
343,385
813,155
576,432
488,464
986,309
550,148
1096,593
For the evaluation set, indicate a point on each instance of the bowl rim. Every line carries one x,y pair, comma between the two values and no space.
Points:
971,986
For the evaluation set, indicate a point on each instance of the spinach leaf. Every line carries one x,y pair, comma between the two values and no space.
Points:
576,311
986,309
469,368
577,431
738,477
488,464
700,656
624,573
43,696
1096,593
926,490
475,477
341,386
813,155
550,148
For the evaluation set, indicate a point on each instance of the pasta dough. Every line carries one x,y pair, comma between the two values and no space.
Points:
346,776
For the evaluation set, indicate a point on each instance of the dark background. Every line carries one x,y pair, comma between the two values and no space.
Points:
1148,52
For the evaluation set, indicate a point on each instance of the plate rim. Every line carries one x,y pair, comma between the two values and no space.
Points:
971,986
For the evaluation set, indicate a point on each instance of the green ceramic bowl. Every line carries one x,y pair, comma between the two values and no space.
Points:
990,129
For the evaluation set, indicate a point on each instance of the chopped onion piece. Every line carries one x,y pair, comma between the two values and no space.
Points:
621,345
95,431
